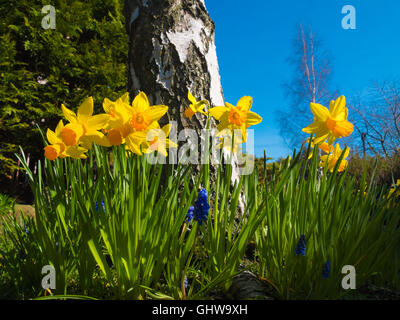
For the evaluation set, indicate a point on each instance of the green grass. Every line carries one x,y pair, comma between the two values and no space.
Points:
7,204
340,223
142,247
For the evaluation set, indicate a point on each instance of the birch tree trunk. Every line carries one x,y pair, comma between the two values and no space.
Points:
171,50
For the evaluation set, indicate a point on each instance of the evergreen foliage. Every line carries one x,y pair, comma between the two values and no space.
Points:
41,69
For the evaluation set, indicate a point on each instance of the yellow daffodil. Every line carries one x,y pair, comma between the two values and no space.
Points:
134,142
331,159
129,124
119,126
392,190
83,127
330,124
236,117
143,115
226,140
158,141
143,118
52,152
323,146
58,149
195,106
119,110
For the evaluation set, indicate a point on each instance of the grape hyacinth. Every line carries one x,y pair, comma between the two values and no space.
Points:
189,214
201,207
326,269
97,206
301,245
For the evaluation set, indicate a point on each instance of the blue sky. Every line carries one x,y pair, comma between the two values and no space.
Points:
254,38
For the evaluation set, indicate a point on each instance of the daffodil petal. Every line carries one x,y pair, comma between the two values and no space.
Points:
98,121
153,133
342,116
252,119
123,112
52,137
331,139
75,152
153,125
133,144
202,104
217,112
166,129
245,103
163,150
170,144
85,110
244,134
108,105
324,158
320,112
224,123
68,114
337,151
312,127
140,103
191,98
156,112
338,106
229,105
59,127
124,98
193,108
95,137
320,130
318,140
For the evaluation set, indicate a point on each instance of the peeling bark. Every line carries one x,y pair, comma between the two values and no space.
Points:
171,50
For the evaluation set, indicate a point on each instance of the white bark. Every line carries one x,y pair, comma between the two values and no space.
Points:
172,49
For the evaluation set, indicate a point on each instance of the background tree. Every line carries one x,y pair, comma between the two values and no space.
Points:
41,69
377,118
310,83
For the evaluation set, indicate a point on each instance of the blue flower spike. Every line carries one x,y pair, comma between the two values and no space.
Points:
97,206
301,245
189,214
326,269
201,207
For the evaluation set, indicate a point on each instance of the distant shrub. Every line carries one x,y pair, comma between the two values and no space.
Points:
387,169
